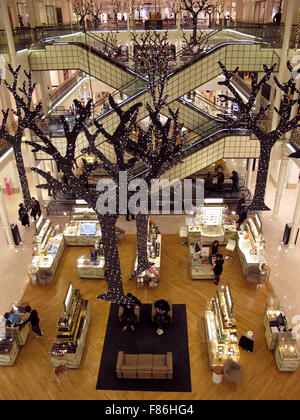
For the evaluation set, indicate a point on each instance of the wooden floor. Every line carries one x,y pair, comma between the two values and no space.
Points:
32,377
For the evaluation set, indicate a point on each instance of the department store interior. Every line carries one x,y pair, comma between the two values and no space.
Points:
232,335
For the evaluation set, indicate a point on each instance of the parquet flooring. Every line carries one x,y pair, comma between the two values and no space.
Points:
32,377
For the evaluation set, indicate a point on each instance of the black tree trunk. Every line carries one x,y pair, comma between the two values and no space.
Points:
23,177
115,291
141,229
258,202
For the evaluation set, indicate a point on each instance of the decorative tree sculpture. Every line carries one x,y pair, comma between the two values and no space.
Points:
195,44
15,139
96,14
78,184
251,119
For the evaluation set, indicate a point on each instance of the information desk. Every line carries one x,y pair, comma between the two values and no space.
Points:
72,328
221,331
200,269
91,269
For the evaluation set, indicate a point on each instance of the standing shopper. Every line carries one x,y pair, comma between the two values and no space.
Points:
23,215
36,209
34,320
218,268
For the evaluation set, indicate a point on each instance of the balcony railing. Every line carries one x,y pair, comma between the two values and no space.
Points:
271,33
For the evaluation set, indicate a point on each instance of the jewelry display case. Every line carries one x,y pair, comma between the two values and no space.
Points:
71,332
221,331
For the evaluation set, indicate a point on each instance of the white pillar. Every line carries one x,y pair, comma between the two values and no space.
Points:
9,34
268,11
283,57
5,221
280,184
295,223
249,173
55,169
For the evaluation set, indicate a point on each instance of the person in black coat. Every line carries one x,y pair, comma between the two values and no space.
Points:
162,308
218,268
23,215
36,209
34,320
128,317
277,16
241,210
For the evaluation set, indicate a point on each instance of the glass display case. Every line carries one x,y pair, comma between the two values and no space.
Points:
151,276
250,249
92,269
72,328
48,246
221,329
82,232
200,267
210,224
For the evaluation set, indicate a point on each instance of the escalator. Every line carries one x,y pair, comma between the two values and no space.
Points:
249,56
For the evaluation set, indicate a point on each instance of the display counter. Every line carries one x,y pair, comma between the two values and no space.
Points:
250,249
280,337
221,331
199,266
91,269
48,248
72,328
12,338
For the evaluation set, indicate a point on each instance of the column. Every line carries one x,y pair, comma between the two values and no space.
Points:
9,34
5,101
294,110
280,183
249,173
14,13
295,223
36,180
284,54
5,221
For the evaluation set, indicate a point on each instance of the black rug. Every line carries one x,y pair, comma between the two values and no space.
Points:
145,340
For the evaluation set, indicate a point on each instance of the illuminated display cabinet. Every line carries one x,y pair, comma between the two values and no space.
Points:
71,332
211,223
221,331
